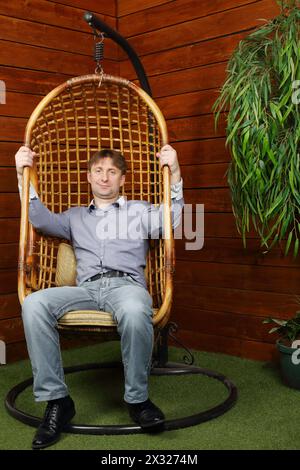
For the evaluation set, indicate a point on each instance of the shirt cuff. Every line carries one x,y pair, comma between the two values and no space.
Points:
32,192
177,190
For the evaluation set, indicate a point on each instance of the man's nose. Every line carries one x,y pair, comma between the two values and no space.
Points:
104,176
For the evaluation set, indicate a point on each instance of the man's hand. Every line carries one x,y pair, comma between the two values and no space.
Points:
24,157
168,156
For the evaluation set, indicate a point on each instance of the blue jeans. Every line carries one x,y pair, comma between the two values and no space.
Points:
131,306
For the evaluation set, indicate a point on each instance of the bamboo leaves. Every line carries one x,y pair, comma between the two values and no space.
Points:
263,130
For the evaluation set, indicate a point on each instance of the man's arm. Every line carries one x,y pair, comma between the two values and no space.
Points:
57,225
152,218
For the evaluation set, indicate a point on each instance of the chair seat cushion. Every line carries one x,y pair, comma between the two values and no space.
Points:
90,318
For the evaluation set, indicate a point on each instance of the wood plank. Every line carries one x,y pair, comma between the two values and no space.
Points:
12,129
10,205
197,30
8,180
12,330
51,13
142,19
19,104
7,153
9,255
16,352
52,37
41,58
196,127
188,104
223,324
244,277
9,230
204,77
214,200
126,7
100,6
9,306
199,151
31,81
231,250
203,176
248,302
203,53
234,346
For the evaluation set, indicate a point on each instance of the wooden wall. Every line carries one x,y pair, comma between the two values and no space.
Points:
42,43
222,292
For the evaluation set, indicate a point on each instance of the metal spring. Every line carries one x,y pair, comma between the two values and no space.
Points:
98,51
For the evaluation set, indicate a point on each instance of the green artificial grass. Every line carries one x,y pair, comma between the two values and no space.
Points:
266,415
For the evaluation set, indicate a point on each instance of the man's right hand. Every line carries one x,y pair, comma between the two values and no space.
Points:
24,157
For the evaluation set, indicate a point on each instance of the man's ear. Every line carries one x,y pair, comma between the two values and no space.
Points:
89,177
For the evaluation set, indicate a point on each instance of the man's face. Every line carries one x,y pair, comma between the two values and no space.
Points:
105,179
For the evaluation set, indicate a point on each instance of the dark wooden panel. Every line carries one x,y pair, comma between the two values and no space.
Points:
222,324
181,81
234,346
100,6
200,151
215,50
233,300
10,205
52,37
188,104
40,58
9,230
203,176
12,129
196,127
8,180
12,330
231,250
248,277
203,29
31,81
214,200
19,104
9,306
126,7
7,153
162,16
52,13
8,281
9,255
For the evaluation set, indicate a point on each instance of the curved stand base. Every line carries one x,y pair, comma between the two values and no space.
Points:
170,369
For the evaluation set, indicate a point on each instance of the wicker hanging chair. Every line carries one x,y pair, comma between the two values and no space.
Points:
79,117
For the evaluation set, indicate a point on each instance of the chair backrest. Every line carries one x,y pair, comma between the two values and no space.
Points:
73,121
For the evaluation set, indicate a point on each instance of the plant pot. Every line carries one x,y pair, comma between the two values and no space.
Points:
289,370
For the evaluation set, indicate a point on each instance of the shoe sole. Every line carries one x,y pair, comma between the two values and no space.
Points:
151,425
43,446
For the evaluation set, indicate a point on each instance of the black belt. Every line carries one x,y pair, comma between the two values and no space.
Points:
111,273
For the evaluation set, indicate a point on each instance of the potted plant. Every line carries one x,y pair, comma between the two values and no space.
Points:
288,346
260,97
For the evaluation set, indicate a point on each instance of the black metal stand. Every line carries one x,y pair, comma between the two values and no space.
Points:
160,366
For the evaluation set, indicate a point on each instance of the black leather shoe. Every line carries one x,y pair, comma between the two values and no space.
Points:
146,414
58,413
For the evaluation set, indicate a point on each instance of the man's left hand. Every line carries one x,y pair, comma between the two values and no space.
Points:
168,156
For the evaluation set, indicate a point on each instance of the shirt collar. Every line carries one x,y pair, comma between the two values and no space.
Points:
118,203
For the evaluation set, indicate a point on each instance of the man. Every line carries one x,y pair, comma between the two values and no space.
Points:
110,277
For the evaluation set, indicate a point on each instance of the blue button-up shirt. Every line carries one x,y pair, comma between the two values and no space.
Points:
116,237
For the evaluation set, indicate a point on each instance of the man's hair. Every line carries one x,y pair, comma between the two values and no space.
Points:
117,159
